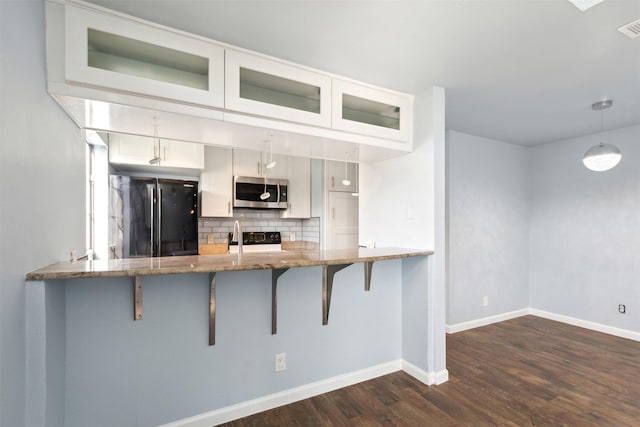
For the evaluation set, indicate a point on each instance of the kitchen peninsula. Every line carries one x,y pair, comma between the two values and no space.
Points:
81,311
216,263
331,262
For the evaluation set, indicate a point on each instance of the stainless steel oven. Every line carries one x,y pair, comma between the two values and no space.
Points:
260,193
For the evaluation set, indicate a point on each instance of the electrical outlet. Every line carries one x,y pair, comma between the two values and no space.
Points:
485,301
622,309
210,239
281,362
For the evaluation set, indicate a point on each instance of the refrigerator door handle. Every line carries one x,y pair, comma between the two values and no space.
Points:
159,221
151,194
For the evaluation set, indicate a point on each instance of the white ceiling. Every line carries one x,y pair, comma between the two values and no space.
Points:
520,71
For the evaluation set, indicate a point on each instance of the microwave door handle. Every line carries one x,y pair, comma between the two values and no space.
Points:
278,193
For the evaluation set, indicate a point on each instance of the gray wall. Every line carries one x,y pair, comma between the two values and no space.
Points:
161,368
41,187
532,227
488,227
585,232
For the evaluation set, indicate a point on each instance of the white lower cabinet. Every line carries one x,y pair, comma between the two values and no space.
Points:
145,151
299,191
216,183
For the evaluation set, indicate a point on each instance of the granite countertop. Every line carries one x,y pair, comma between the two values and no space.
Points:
216,263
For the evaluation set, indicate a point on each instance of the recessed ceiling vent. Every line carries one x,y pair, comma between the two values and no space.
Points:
631,30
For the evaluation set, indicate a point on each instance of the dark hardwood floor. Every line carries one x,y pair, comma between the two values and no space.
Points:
527,371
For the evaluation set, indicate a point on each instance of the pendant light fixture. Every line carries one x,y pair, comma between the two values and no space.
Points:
346,182
271,163
602,157
156,157
266,194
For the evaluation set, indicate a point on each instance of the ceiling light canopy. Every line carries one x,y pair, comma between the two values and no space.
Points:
602,157
585,4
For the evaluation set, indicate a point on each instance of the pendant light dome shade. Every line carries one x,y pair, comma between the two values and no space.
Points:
602,157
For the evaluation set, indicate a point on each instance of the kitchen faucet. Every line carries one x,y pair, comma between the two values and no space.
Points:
237,236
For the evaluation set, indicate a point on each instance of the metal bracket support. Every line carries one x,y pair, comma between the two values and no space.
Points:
368,266
328,271
137,298
212,309
275,274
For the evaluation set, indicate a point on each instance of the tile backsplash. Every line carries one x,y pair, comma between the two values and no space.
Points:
256,220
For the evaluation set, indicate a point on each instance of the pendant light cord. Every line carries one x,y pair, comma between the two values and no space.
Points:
602,127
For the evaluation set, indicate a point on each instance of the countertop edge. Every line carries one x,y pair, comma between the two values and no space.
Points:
216,263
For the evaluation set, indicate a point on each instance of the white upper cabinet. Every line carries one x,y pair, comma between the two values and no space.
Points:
299,190
341,176
115,73
267,88
254,163
372,111
149,152
216,183
125,55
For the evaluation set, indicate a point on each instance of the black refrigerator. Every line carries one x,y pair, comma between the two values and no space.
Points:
152,217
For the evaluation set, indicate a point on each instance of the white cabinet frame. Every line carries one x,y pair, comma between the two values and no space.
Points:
402,101
235,61
78,21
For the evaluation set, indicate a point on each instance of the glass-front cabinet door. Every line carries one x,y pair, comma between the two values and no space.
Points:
371,111
135,57
268,88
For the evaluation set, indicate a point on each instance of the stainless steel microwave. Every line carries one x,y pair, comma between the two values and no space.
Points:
260,193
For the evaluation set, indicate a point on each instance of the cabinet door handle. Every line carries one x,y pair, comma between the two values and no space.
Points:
229,207
258,169
333,212
333,182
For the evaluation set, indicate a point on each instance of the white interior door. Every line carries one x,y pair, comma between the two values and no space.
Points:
342,230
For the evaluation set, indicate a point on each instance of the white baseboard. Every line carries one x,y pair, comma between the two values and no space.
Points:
244,409
618,332
459,327
623,333
285,397
428,378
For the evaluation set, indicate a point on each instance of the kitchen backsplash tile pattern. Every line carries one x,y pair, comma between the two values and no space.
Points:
252,220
